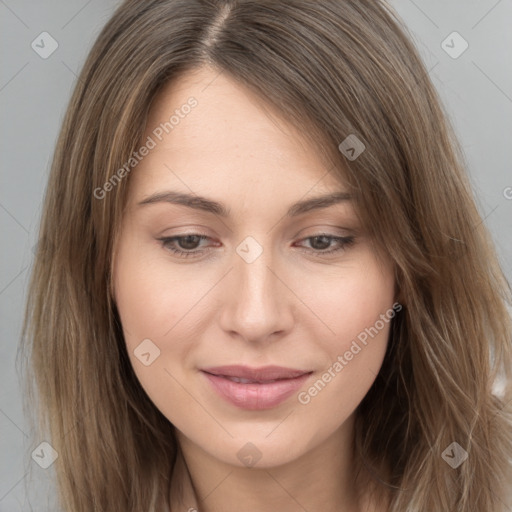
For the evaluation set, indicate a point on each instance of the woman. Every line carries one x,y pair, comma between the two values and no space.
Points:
262,281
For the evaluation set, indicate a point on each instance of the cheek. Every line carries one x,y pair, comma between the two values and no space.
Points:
350,301
151,297
150,302
358,312
159,303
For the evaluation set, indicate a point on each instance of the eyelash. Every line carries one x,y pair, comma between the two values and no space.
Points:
344,241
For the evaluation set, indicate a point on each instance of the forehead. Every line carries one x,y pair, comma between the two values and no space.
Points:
215,133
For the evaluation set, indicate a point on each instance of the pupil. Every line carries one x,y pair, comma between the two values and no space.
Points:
325,244
187,240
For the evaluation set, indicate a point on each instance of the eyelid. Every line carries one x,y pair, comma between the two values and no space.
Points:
345,241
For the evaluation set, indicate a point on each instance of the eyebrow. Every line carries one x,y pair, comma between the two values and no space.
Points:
216,208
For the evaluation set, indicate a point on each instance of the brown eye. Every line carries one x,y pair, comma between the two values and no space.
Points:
183,246
319,243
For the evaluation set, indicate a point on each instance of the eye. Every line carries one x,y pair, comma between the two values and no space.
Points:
324,241
186,246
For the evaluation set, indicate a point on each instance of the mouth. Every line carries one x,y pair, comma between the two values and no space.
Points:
255,388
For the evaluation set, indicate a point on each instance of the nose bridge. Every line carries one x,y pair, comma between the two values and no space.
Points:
257,306
253,277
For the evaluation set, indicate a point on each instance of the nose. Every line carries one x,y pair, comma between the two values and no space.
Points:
257,306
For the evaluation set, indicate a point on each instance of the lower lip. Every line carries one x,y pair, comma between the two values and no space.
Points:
256,396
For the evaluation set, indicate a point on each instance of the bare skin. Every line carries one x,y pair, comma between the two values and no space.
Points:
292,306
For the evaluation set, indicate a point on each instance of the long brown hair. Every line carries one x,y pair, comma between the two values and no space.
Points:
334,68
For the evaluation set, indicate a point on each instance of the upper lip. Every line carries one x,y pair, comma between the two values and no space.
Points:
260,374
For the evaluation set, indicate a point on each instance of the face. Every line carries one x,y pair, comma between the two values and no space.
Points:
247,319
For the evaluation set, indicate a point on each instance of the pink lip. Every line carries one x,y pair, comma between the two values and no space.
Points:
258,395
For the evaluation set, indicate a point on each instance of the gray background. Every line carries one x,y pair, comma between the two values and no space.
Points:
476,89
